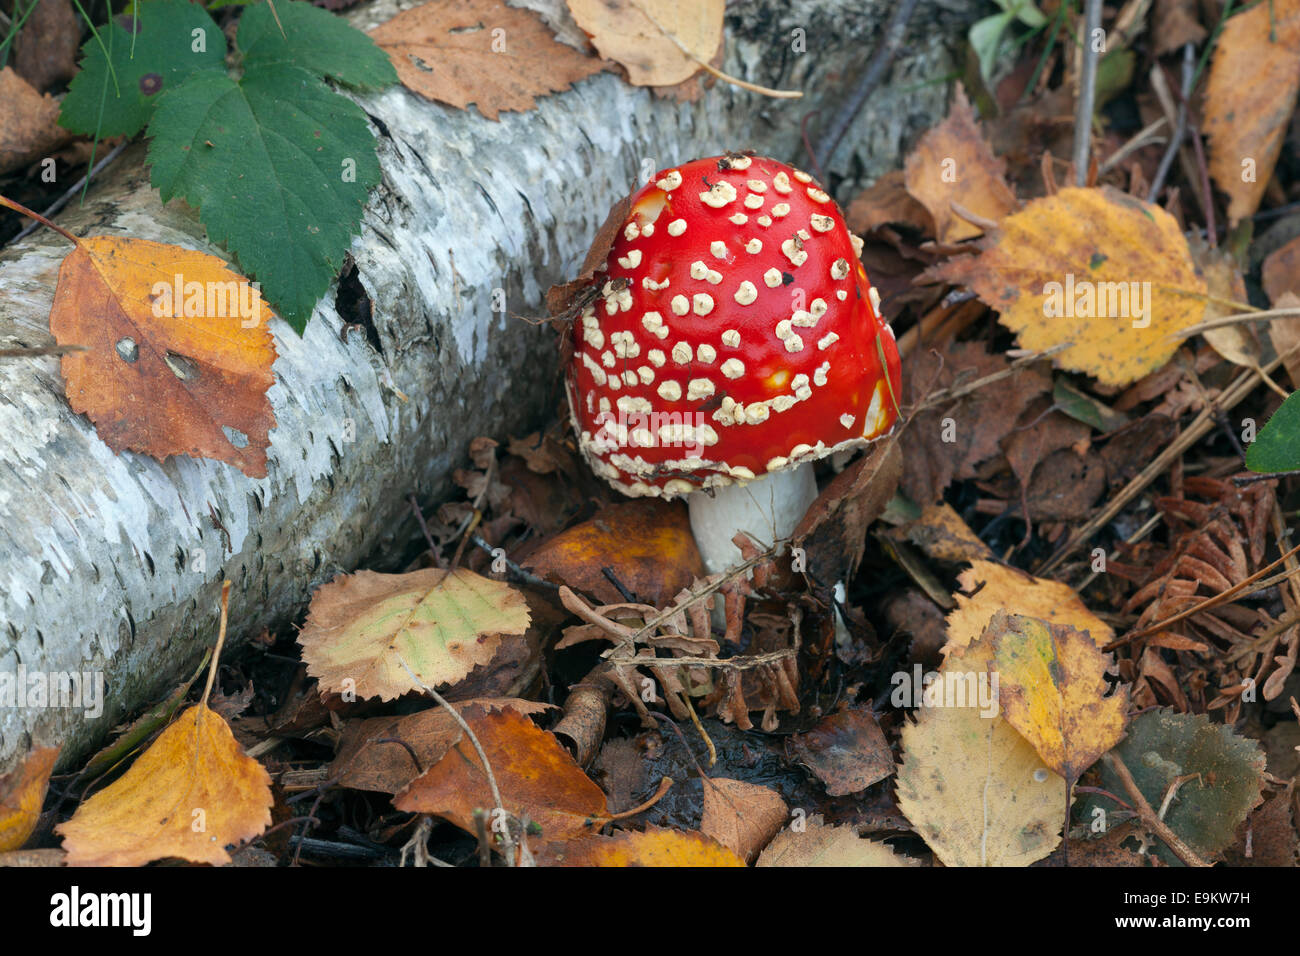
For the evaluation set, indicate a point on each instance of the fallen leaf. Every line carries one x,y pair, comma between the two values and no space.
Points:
361,628
1207,808
654,846
846,751
1003,588
741,816
974,789
647,544
363,762
1176,24
887,201
953,163
166,373
192,793
1249,98
821,845
482,52
28,123
22,794
1280,272
942,535
1104,273
1285,335
651,38
833,530
45,51
536,776
1268,837
946,442
1052,688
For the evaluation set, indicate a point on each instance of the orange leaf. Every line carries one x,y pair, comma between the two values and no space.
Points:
166,374
189,795
654,846
743,817
481,52
953,163
1249,99
648,545
536,776
22,792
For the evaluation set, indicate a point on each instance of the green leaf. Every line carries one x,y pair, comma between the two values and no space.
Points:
1277,446
1163,746
279,166
315,40
1085,408
163,51
986,37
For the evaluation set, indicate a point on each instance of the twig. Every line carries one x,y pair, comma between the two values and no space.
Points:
1148,816
957,391
508,840
895,30
43,350
1087,95
1235,319
424,529
516,570
67,196
1180,129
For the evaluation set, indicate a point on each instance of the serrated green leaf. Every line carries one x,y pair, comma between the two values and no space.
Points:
1277,446
315,40
267,160
156,60
1205,812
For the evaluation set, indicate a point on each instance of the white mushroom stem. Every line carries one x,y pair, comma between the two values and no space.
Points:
768,509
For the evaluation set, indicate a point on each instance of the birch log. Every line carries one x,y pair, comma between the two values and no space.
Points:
112,564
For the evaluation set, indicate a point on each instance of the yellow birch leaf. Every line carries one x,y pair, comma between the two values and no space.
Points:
1052,689
1010,589
22,792
1104,273
192,793
654,846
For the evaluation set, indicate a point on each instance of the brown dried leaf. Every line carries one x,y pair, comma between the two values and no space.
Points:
45,52
821,845
639,34
22,793
888,201
846,751
953,163
483,52
741,816
28,127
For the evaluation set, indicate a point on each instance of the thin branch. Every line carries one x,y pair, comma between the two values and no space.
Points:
1149,817
1087,95
1180,130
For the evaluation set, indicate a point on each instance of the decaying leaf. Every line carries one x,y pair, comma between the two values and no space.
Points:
647,544
954,164
989,587
887,201
741,816
537,777
1214,775
179,352
22,792
846,751
1052,688
483,52
371,755
658,42
820,845
941,533
654,846
975,790
1249,98
192,793
362,627
28,127
1100,271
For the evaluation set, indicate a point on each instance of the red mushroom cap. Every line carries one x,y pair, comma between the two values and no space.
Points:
735,333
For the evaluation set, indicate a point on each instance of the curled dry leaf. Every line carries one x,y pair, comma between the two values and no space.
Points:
658,42
537,777
483,52
990,587
741,816
1249,98
28,127
361,628
654,846
1104,273
192,793
178,351
953,163
820,845
1052,688
22,792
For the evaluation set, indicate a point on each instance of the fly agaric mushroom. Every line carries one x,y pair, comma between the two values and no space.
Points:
731,339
